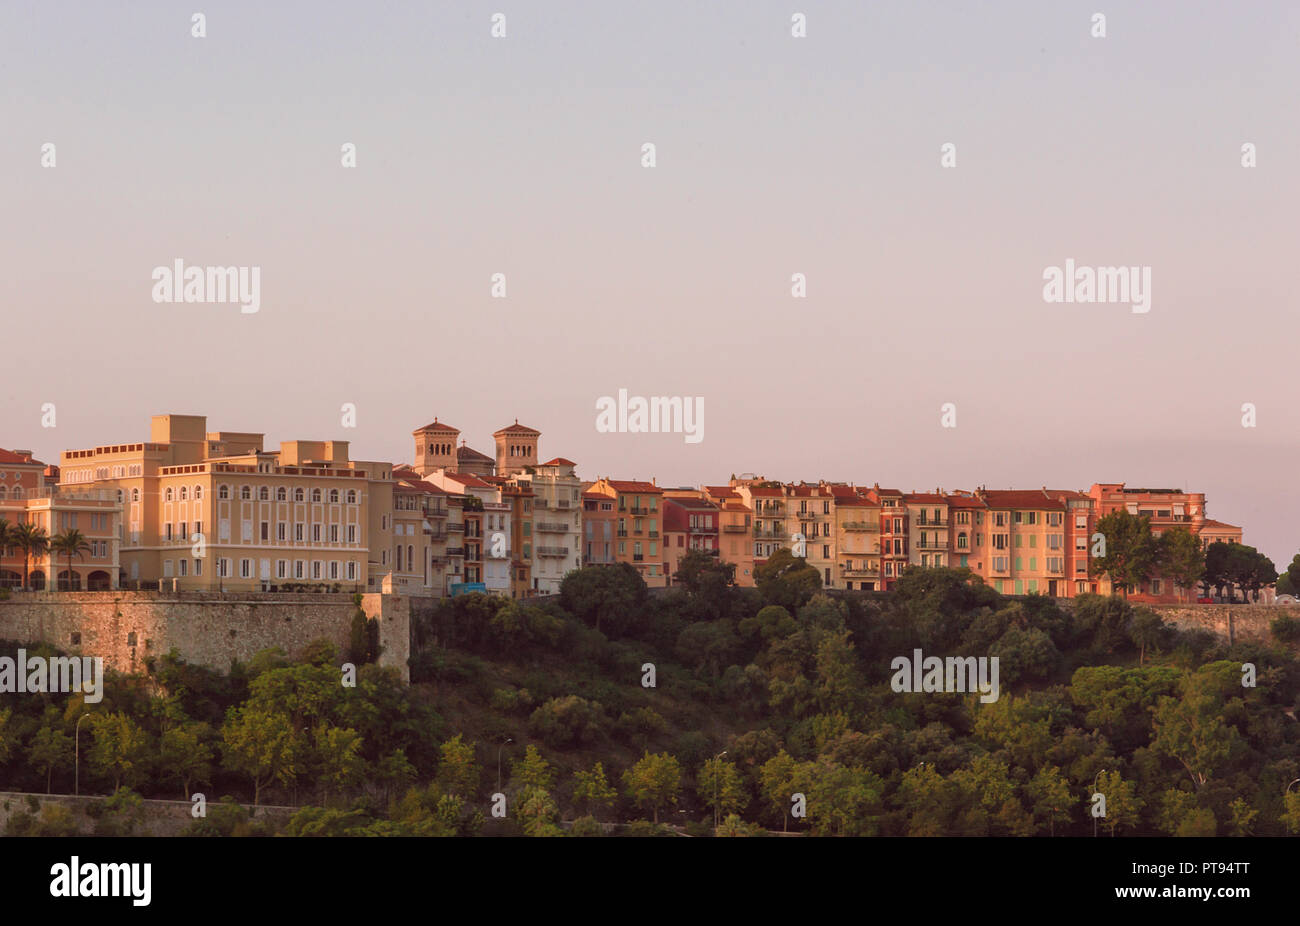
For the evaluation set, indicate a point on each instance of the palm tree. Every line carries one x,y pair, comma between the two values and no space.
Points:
6,541
33,541
71,542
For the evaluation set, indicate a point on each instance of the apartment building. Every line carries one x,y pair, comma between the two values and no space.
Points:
518,497
857,539
637,538
894,547
29,494
558,508
214,510
420,514
928,528
480,541
768,504
734,526
690,523
599,526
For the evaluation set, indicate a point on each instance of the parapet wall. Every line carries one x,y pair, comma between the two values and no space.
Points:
208,629
1232,622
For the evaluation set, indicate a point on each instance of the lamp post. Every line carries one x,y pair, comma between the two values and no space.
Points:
499,748
1288,788
717,784
1094,791
76,737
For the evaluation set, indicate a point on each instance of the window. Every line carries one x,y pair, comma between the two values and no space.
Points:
185,493
245,493
168,494
1081,522
297,569
334,497
245,568
198,492
298,495
352,570
263,494
135,495
352,496
281,568
352,533
280,531
315,495
184,564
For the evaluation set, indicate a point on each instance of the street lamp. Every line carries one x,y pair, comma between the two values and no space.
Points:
1288,788
76,790
499,748
1094,791
717,784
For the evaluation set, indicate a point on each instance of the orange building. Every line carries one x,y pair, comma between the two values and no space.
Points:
637,536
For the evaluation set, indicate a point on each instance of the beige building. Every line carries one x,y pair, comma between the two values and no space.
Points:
214,510
557,534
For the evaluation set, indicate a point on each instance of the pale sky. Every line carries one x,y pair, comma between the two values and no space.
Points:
775,155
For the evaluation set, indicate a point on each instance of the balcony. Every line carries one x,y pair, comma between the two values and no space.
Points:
455,551
734,528
553,551
848,573
638,557
639,510
551,527
773,511
931,544
861,526
654,535
460,528
622,532
764,534
435,512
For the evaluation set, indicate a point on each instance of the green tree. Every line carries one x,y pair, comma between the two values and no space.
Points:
459,772
1050,797
1123,806
32,541
70,543
1181,558
654,782
537,812
1131,550
721,788
787,580
1191,727
121,748
50,749
533,771
261,744
592,790
187,755
603,595
776,778
1144,630
337,758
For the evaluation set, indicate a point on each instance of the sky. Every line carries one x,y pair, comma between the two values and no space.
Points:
774,155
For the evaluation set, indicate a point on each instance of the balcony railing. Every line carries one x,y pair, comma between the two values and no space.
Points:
456,527
931,544
861,526
860,571
637,557
654,535
455,551
765,534
551,527
922,522
622,532
734,528
552,551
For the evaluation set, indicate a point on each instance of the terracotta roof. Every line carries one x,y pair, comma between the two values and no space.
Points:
8,456
471,455
559,461
926,498
436,425
1218,525
691,503
468,479
516,428
722,491
595,495
735,506
1035,499
620,485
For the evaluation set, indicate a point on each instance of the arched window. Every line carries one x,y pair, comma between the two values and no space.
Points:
245,493
297,495
168,494
315,495
198,492
4,493
263,494
334,495
410,558
352,496
18,491
223,492
119,496
135,495
185,493
281,495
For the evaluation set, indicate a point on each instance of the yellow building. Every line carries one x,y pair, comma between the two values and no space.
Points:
215,511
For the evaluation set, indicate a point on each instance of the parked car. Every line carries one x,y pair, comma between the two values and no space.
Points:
1205,601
